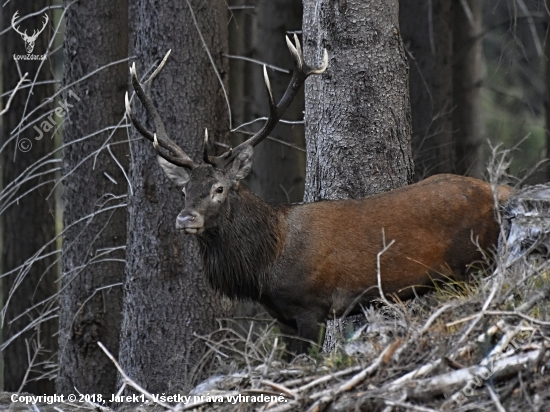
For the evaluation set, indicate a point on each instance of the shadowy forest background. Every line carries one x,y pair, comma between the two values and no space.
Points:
89,248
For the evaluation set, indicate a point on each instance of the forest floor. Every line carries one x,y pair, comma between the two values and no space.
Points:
483,345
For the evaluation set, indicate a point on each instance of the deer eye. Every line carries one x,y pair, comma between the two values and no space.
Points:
219,189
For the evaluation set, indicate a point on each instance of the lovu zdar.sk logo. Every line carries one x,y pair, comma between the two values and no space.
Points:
29,40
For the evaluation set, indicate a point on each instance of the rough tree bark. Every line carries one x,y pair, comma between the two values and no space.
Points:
278,170
167,298
30,223
467,120
358,113
358,125
426,29
93,249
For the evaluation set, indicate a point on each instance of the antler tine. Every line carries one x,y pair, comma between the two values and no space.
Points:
13,20
35,32
46,20
145,132
172,152
299,75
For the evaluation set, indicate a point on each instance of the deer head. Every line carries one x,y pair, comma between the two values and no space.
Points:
208,186
29,40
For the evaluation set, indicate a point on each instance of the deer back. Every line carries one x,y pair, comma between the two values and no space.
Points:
437,225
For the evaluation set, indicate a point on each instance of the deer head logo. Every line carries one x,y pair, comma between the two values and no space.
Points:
29,40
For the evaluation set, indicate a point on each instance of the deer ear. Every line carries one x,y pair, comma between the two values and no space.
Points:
241,166
178,175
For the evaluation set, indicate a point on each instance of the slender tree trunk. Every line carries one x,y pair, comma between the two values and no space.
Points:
426,29
241,97
358,124
240,44
30,223
168,301
94,198
278,171
358,113
467,120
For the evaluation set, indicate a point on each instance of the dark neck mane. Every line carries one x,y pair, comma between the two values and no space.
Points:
239,254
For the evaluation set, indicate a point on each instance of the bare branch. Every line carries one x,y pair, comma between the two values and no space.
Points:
130,382
17,87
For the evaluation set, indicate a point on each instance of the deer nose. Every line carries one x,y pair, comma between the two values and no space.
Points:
187,220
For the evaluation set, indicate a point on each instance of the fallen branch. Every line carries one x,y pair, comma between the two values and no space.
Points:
128,381
453,381
321,403
329,377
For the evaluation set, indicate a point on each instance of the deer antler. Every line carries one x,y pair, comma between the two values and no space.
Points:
170,151
13,19
299,75
35,33
164,146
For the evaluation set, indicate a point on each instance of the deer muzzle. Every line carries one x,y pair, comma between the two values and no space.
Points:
191,222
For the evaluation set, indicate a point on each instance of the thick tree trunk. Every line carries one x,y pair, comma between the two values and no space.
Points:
278,170
168,301
358,125
30,223
358,113
467,120
426,29
93,249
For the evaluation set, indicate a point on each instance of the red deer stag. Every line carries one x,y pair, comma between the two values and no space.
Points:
306,262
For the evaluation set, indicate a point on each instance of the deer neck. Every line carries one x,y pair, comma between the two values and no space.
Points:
241,251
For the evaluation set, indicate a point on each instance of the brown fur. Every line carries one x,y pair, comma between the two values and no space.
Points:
329,255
